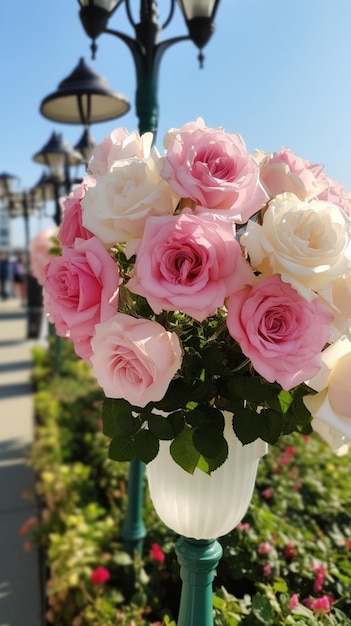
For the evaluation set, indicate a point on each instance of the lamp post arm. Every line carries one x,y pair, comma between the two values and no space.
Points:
147,59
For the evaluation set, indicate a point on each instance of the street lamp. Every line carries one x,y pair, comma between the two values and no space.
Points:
23,203
85,146
84,97
58,156
146,49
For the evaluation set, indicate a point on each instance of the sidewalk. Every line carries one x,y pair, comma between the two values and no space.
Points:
21,598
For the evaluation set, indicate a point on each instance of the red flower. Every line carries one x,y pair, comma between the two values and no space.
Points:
156,553
100,575
289,551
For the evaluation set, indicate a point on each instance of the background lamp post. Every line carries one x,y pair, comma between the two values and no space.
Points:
58,156
85,146
24,203
146,49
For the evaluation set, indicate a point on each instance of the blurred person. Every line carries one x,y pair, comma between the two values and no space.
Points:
19,279
4,275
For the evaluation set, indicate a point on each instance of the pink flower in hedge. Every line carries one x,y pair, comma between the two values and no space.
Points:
265,547
267,493
81,290
189,263
267,570
213,169
294,601
100,575
156,553
134,359
320,577
40,255
71,226
321,605
243,526
279,331
286,457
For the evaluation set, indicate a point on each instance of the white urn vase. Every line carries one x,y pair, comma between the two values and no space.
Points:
202,506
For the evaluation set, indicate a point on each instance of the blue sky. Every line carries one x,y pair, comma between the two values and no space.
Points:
276,71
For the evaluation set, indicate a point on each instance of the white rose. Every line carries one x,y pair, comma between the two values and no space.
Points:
116,209
306,242
331,406
120,144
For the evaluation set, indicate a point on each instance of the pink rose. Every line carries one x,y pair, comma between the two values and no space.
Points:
120,144
213,169
40,256
279,331
284,171
335,193
71,226
189,263
81,289
134,359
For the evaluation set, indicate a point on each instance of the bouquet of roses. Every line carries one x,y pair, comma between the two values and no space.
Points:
203,280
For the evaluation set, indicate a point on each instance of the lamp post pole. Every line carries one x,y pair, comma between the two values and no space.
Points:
147,51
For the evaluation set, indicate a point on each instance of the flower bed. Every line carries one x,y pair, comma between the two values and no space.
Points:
288,562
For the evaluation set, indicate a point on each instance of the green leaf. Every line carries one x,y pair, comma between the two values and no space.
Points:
250,388
247,425
209,440
280,585
203,391
177,421
271,425
146,445
183,451
121,449
262,609
302,415
285,399
176,396
209,465
203,415
161,427
213,360
117,418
